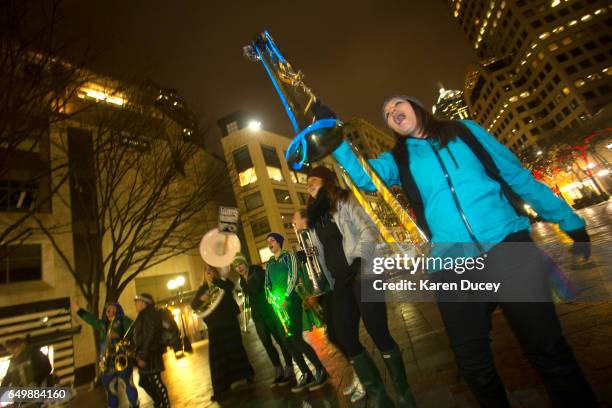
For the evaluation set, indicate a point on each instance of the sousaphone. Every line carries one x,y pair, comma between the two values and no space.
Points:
217,249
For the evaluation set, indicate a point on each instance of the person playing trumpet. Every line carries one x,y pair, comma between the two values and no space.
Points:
282,274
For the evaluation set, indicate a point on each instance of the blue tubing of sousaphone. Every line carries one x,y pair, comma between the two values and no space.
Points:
318,132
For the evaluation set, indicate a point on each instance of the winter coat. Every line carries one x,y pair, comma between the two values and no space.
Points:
486,209
147,339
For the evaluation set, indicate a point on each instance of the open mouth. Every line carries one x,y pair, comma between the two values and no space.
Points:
399,118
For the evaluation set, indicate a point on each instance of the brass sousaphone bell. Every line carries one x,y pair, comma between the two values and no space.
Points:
217,249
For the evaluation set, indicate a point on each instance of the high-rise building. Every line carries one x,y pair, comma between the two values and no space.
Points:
50,181
545,64
450,105
368,139
267,191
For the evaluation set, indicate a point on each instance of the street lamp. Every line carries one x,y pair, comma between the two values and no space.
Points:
177,284
254,125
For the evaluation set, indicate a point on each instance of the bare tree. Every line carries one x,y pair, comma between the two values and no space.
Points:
141,192
37,85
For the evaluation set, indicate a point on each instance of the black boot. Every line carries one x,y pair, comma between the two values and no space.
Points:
395,365
372,382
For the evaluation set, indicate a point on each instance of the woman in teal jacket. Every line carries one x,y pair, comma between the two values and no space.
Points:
445,169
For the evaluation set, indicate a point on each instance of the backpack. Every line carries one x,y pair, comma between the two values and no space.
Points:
413,195
170,333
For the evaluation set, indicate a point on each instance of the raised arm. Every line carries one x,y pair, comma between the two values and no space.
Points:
384,165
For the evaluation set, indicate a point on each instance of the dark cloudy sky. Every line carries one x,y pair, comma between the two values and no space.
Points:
353,53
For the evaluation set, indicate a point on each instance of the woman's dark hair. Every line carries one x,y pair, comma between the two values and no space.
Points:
334,193
440,130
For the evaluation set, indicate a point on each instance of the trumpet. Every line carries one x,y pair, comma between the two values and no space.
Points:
276,302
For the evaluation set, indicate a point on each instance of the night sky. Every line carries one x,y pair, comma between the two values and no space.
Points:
353,53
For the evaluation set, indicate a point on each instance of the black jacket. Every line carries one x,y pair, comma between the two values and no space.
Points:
254,287
147,339
28,369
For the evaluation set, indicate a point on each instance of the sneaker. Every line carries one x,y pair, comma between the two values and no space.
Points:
350,389
320,379
359,393
304,382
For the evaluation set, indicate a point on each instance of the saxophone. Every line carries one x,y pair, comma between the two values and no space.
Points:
106,357
124,351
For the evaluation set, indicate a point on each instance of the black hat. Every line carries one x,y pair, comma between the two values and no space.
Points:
324,173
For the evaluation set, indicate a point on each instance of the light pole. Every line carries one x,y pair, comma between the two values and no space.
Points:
177,284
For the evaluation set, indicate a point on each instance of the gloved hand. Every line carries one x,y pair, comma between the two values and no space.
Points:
353,271
300,256
582,243
321,111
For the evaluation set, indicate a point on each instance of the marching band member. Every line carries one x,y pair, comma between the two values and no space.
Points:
149,350
282,274
228,360
252,282
355,389
463,185
113,312
345,238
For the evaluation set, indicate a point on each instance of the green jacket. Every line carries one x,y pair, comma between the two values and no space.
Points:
121,325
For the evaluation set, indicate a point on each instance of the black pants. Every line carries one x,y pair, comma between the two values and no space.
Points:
266,330
326,301
154,386
348,309
298,347
535,324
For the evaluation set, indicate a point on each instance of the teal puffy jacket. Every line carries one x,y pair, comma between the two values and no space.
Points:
487,211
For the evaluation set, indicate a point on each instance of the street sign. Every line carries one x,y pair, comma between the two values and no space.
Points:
228,219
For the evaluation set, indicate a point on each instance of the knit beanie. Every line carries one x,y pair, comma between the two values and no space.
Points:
240,258
404,97
277,237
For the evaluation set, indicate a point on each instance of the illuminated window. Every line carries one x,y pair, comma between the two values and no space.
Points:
100,93
553,47
298,177
274,173
566,40
579,83
264,254
247,177
244,166
282,196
